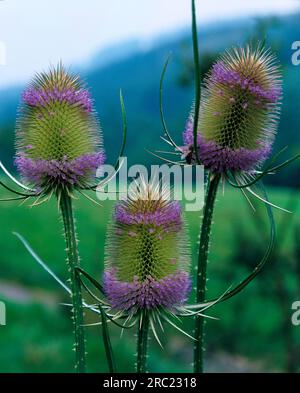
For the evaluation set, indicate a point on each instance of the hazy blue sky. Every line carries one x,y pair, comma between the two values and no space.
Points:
37,32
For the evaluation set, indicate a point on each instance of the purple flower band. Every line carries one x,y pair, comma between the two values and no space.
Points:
224,159
188,136
220,74
65,171
42,97
168,292
167,216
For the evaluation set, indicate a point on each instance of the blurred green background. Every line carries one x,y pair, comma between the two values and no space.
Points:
254,330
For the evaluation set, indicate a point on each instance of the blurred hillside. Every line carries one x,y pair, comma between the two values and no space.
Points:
136,69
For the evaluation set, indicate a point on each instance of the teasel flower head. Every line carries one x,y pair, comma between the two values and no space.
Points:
147,255
58,134
239,112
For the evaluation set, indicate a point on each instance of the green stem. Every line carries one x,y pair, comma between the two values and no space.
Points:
197,80
73,262
212,189
142,343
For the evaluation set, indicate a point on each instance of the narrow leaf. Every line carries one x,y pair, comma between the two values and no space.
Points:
263,261
107,342
91,279
161,106
40,262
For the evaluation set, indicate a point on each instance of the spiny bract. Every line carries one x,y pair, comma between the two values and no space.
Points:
147,254
58,135
239,111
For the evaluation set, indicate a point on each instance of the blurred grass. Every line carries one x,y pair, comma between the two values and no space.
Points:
38,334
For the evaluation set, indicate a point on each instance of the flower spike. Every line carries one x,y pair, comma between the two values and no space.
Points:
146,263
58,135
239,111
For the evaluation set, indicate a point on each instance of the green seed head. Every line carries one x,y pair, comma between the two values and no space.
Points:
239,111
58,134
147,238
147,254
240,103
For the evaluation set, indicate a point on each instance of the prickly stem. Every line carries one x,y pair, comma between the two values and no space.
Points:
73,261
142,342
212,189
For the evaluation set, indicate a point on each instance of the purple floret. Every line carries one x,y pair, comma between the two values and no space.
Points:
43,97
169,215
222,159
168,292
69,172
223,75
